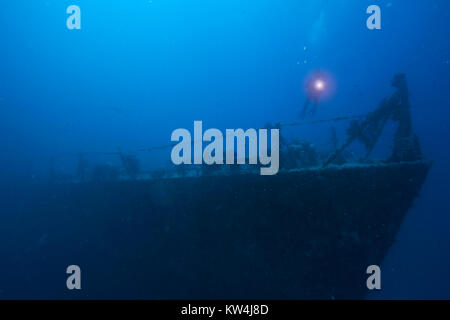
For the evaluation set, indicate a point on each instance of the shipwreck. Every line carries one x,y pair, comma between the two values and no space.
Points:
308,232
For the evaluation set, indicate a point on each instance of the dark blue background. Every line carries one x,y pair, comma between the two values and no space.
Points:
139,69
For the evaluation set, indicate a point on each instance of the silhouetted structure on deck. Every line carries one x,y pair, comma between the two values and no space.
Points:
397,108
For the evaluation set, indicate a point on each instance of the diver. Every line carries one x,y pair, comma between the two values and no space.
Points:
314,89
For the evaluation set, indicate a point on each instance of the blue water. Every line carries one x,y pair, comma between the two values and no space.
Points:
137,70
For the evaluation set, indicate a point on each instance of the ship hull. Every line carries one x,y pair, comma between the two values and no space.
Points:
302,234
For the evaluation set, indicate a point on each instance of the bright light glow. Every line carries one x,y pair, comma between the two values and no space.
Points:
319,85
